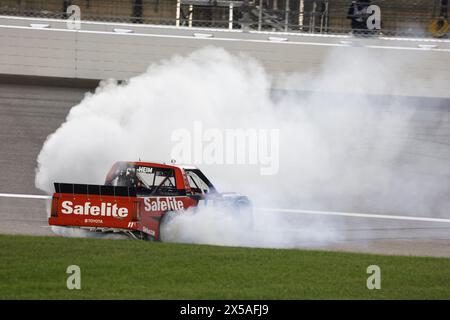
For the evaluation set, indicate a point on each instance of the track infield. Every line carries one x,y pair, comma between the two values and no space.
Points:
35,268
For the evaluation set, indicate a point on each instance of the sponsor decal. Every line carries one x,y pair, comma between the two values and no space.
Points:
93,221
106,209
144,170
147,230
132,224
163,204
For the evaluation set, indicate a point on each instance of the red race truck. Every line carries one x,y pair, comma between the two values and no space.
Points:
138,197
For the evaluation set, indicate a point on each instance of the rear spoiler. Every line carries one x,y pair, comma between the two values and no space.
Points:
81,193
94,189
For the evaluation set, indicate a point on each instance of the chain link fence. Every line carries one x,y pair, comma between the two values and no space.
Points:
407,18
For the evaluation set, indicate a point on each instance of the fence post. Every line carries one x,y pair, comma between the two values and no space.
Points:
260,15
177,14
230,16
301,7
286,16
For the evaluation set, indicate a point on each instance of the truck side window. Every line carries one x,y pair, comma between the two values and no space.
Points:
125,178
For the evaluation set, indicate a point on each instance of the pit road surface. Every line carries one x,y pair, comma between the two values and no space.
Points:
29,113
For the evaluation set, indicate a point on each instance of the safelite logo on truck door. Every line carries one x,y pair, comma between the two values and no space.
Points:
163,204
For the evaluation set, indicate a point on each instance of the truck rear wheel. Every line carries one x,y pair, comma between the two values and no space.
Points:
165,221
147,237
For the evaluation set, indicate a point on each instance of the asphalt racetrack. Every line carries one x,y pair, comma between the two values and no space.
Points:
30,112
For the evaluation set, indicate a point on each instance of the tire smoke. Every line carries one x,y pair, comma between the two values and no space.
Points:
338,152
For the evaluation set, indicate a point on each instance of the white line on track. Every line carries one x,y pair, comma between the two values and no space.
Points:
24,196
329,213
358,215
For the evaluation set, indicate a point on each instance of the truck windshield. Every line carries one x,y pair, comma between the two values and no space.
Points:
198,182
147,180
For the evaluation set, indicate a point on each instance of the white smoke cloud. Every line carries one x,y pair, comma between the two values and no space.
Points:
218,226
336,152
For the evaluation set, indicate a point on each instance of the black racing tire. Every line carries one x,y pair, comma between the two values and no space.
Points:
147,237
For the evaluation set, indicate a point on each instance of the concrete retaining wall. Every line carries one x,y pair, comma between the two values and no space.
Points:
99,50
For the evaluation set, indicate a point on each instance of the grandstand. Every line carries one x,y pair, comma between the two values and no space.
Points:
406,18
